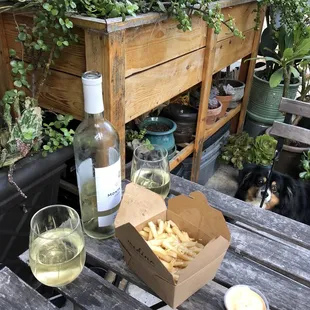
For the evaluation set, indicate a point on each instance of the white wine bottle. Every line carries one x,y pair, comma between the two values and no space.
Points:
97,160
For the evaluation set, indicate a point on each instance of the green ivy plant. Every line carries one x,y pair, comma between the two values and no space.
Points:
181,10
305,163
24,130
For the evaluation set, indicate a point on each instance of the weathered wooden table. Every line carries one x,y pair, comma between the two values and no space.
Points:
268,251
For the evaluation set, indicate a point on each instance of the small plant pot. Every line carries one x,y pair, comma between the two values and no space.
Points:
213,115
159,130
239,91
225,100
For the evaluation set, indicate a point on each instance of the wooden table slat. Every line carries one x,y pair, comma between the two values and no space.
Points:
281,292
238,210
91,292
277,256
15,294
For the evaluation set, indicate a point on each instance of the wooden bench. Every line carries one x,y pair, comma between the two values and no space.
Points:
268,251
288,131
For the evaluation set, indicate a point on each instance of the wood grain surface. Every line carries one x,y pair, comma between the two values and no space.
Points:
150,88
15,294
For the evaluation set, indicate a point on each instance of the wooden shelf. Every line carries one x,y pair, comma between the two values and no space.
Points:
188,149
220,123
180,156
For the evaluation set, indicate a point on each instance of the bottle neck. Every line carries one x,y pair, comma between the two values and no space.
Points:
93,102
94,117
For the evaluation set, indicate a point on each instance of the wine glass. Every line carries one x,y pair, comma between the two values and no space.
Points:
150,168
56,245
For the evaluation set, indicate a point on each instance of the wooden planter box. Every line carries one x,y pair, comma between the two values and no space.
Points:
145,61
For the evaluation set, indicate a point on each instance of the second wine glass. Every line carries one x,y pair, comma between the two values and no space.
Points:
150,169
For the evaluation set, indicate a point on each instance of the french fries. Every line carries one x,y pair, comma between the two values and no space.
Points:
174,248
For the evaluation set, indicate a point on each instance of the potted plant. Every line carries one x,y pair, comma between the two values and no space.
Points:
305,164
284,43
134,139
224,94
29,174
159,131
241,150
214,109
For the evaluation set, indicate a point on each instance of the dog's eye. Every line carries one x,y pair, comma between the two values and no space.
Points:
260,182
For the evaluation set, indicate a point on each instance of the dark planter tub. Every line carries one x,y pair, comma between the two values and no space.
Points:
289,159
38,178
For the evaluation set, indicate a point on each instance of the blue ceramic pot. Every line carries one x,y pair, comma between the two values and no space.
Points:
154,131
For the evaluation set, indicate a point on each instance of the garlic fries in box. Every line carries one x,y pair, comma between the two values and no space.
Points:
174,248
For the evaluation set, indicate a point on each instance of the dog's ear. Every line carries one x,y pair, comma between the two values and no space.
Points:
287,201
244,175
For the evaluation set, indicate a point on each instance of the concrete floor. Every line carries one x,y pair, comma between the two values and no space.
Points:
224,180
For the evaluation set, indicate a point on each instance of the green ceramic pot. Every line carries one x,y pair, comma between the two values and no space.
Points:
157,135
264,101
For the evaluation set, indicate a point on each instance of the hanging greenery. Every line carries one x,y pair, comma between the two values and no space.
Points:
24,130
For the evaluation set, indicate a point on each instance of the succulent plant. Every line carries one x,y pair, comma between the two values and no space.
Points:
241,148
263,150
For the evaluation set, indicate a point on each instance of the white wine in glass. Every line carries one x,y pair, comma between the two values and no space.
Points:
150,169
57,246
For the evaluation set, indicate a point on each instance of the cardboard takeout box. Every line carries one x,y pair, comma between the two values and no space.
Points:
192,214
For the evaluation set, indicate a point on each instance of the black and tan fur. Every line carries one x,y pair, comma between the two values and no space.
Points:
285,196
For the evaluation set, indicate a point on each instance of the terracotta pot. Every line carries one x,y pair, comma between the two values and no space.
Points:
213,115
225,100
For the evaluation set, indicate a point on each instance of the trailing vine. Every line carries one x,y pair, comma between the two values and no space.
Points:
40,44
181,10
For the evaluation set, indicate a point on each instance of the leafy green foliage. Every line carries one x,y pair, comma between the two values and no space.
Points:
262,151
237,149
305,163
241,148
135,138
292,12
41,43
181,10
57,134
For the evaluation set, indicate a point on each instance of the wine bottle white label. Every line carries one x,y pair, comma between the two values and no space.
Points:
108,186
106,220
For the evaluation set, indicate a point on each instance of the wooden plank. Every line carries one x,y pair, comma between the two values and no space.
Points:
149,89
63,93
232,49
272,254
90,292
281,292
238,210
114,85
209,58
153,44
16,294
72,58
220,123
6,80
116,24
250,72
295,107
290,132
244,16
179,157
